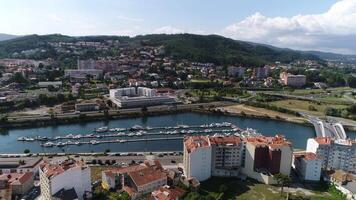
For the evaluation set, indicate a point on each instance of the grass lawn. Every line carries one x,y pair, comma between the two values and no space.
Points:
300,105
251,190
336,90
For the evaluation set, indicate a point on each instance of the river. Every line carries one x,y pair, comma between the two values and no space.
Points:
296,133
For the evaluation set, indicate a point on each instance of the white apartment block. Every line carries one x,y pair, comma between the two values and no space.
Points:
307,165
257,157
336,154
67,175
267,156
197,157
131,97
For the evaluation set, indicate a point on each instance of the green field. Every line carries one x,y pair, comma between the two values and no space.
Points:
230,188
306,106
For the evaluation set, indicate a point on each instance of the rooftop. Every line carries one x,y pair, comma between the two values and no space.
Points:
306,155
17,178
227,140
26,162
274,142
167,193
52,170
146,176
194,142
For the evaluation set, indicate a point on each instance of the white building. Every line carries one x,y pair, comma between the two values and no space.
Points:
131,97
256,157
307,165
267,156
336,154
197,157
67,175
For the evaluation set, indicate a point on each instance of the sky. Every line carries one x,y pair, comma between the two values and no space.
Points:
324,25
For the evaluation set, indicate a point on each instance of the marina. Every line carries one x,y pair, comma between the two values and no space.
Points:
142,134
102,134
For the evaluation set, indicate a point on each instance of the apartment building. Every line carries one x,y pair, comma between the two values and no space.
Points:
227,153
236,71
257,157
336,154
267,156
307,165
58,178
197,157
137,97
261,72
293,80
136,180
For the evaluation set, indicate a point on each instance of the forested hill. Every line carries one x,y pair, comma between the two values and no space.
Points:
207,48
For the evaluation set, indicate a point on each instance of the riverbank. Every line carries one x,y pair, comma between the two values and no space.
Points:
84,117
215,108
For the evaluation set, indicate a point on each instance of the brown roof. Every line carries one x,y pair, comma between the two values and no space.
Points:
147,175
17,178
273,142
225,140
52,170
306,155
194,142
167,193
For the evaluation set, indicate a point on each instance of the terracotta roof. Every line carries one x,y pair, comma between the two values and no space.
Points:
194,142
306,155
273,142
167,193
147,175
52,170
225,140
17,178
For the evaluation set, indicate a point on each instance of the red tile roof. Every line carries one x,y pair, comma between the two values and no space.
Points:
17,178
166,193
274,142
225,140
306,155
194,142
52,170
147,175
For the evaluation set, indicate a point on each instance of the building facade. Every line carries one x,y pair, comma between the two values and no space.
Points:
307,165
257,157
66,175
336,154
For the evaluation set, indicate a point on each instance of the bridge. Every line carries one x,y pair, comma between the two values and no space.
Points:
328,129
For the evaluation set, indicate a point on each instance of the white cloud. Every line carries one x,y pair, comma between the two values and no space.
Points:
168,30
333,30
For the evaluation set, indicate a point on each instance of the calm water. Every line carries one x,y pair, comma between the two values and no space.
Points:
296,133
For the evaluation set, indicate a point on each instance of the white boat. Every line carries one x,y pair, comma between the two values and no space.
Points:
102,129
21,139
48,144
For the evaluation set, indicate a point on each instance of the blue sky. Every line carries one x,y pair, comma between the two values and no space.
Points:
300,24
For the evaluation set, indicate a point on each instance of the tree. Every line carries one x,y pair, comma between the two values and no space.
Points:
282,180
26,151
351,80
19,78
